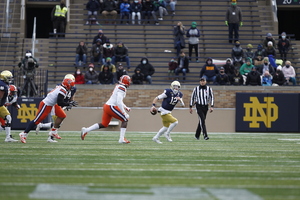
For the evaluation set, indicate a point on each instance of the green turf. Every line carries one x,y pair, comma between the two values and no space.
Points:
258,166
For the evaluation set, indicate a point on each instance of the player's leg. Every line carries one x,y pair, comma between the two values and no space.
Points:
61,115
172,121
161,131
5,115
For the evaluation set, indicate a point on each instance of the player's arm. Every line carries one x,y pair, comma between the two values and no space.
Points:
16,105
1,94
60,100
120,97
161,96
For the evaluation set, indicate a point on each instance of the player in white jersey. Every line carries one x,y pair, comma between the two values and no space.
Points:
55,98
114,108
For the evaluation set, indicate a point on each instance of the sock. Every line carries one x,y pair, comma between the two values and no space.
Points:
7,131
171,127
93,127
122,133
161,131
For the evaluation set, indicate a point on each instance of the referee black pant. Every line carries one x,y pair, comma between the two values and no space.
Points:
202,112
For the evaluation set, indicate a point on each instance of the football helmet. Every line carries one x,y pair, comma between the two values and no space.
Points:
6,76
68,83
125,80
175,86
70,76
13,90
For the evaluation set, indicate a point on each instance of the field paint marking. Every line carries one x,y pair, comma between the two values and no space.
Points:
290,139
58,191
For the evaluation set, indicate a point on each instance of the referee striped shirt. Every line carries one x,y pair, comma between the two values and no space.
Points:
202,95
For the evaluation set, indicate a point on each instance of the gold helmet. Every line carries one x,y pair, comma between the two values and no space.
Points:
70,76
6,76
175,86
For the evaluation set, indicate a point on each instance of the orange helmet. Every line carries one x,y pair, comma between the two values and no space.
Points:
13,90
68,83
125,80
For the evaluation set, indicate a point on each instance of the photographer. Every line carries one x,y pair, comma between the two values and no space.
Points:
28,65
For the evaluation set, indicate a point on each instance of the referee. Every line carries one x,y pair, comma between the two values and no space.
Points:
202,96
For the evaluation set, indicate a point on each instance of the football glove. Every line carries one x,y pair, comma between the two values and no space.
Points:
73,103
226,22
68,107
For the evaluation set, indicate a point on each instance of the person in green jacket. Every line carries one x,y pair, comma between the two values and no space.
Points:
246,68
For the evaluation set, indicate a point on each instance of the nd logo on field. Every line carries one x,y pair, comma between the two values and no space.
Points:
266,112
27,113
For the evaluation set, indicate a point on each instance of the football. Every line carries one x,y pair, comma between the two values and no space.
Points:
153,111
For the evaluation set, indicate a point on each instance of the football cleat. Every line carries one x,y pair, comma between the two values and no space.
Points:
83,133
38,128
168,137
124,141
54,134
51,140
206,138
157,140
23,137
10,139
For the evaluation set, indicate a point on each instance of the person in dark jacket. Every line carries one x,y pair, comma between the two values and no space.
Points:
222,78
266,66
278,77
229,68
136,10
253,77
96,52
283,46
233,21
236,78
147,69
183,66
209,70
91,76
108,51
109,8
100,36
106,76
93,6
121,54
259,55
81,52
137,77
179,42
120,72
147,10
193,34
237,54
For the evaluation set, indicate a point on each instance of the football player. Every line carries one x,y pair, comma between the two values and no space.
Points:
114,108
6,78
10,100
69,97
55,98
170,98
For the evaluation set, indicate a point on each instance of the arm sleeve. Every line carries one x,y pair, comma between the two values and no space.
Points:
60,101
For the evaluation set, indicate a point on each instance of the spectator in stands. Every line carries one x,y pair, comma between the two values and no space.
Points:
137,77
159,8
229,68
100,36
193,34
259,55
179,41
222,78
120,72
172,4
125,11
289,73
246,69
121,54
183,66
266,79
249,53
91,76
110,65
269,38
109,7
283,46
173,64
253,77
236,78
147,69
148,7
93,6
209,71
233,21
278,77
81,52
108,51
270,50
79,77
136,9
266,66
96,52
106,76
59,18
237,54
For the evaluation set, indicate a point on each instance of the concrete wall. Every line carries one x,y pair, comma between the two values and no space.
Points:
220,120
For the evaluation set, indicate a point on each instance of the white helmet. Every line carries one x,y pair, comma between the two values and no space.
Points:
175,86
70,76
6,76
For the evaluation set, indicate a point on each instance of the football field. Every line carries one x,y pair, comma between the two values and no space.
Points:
228,166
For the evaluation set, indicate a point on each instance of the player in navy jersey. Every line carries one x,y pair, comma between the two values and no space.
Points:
170,98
